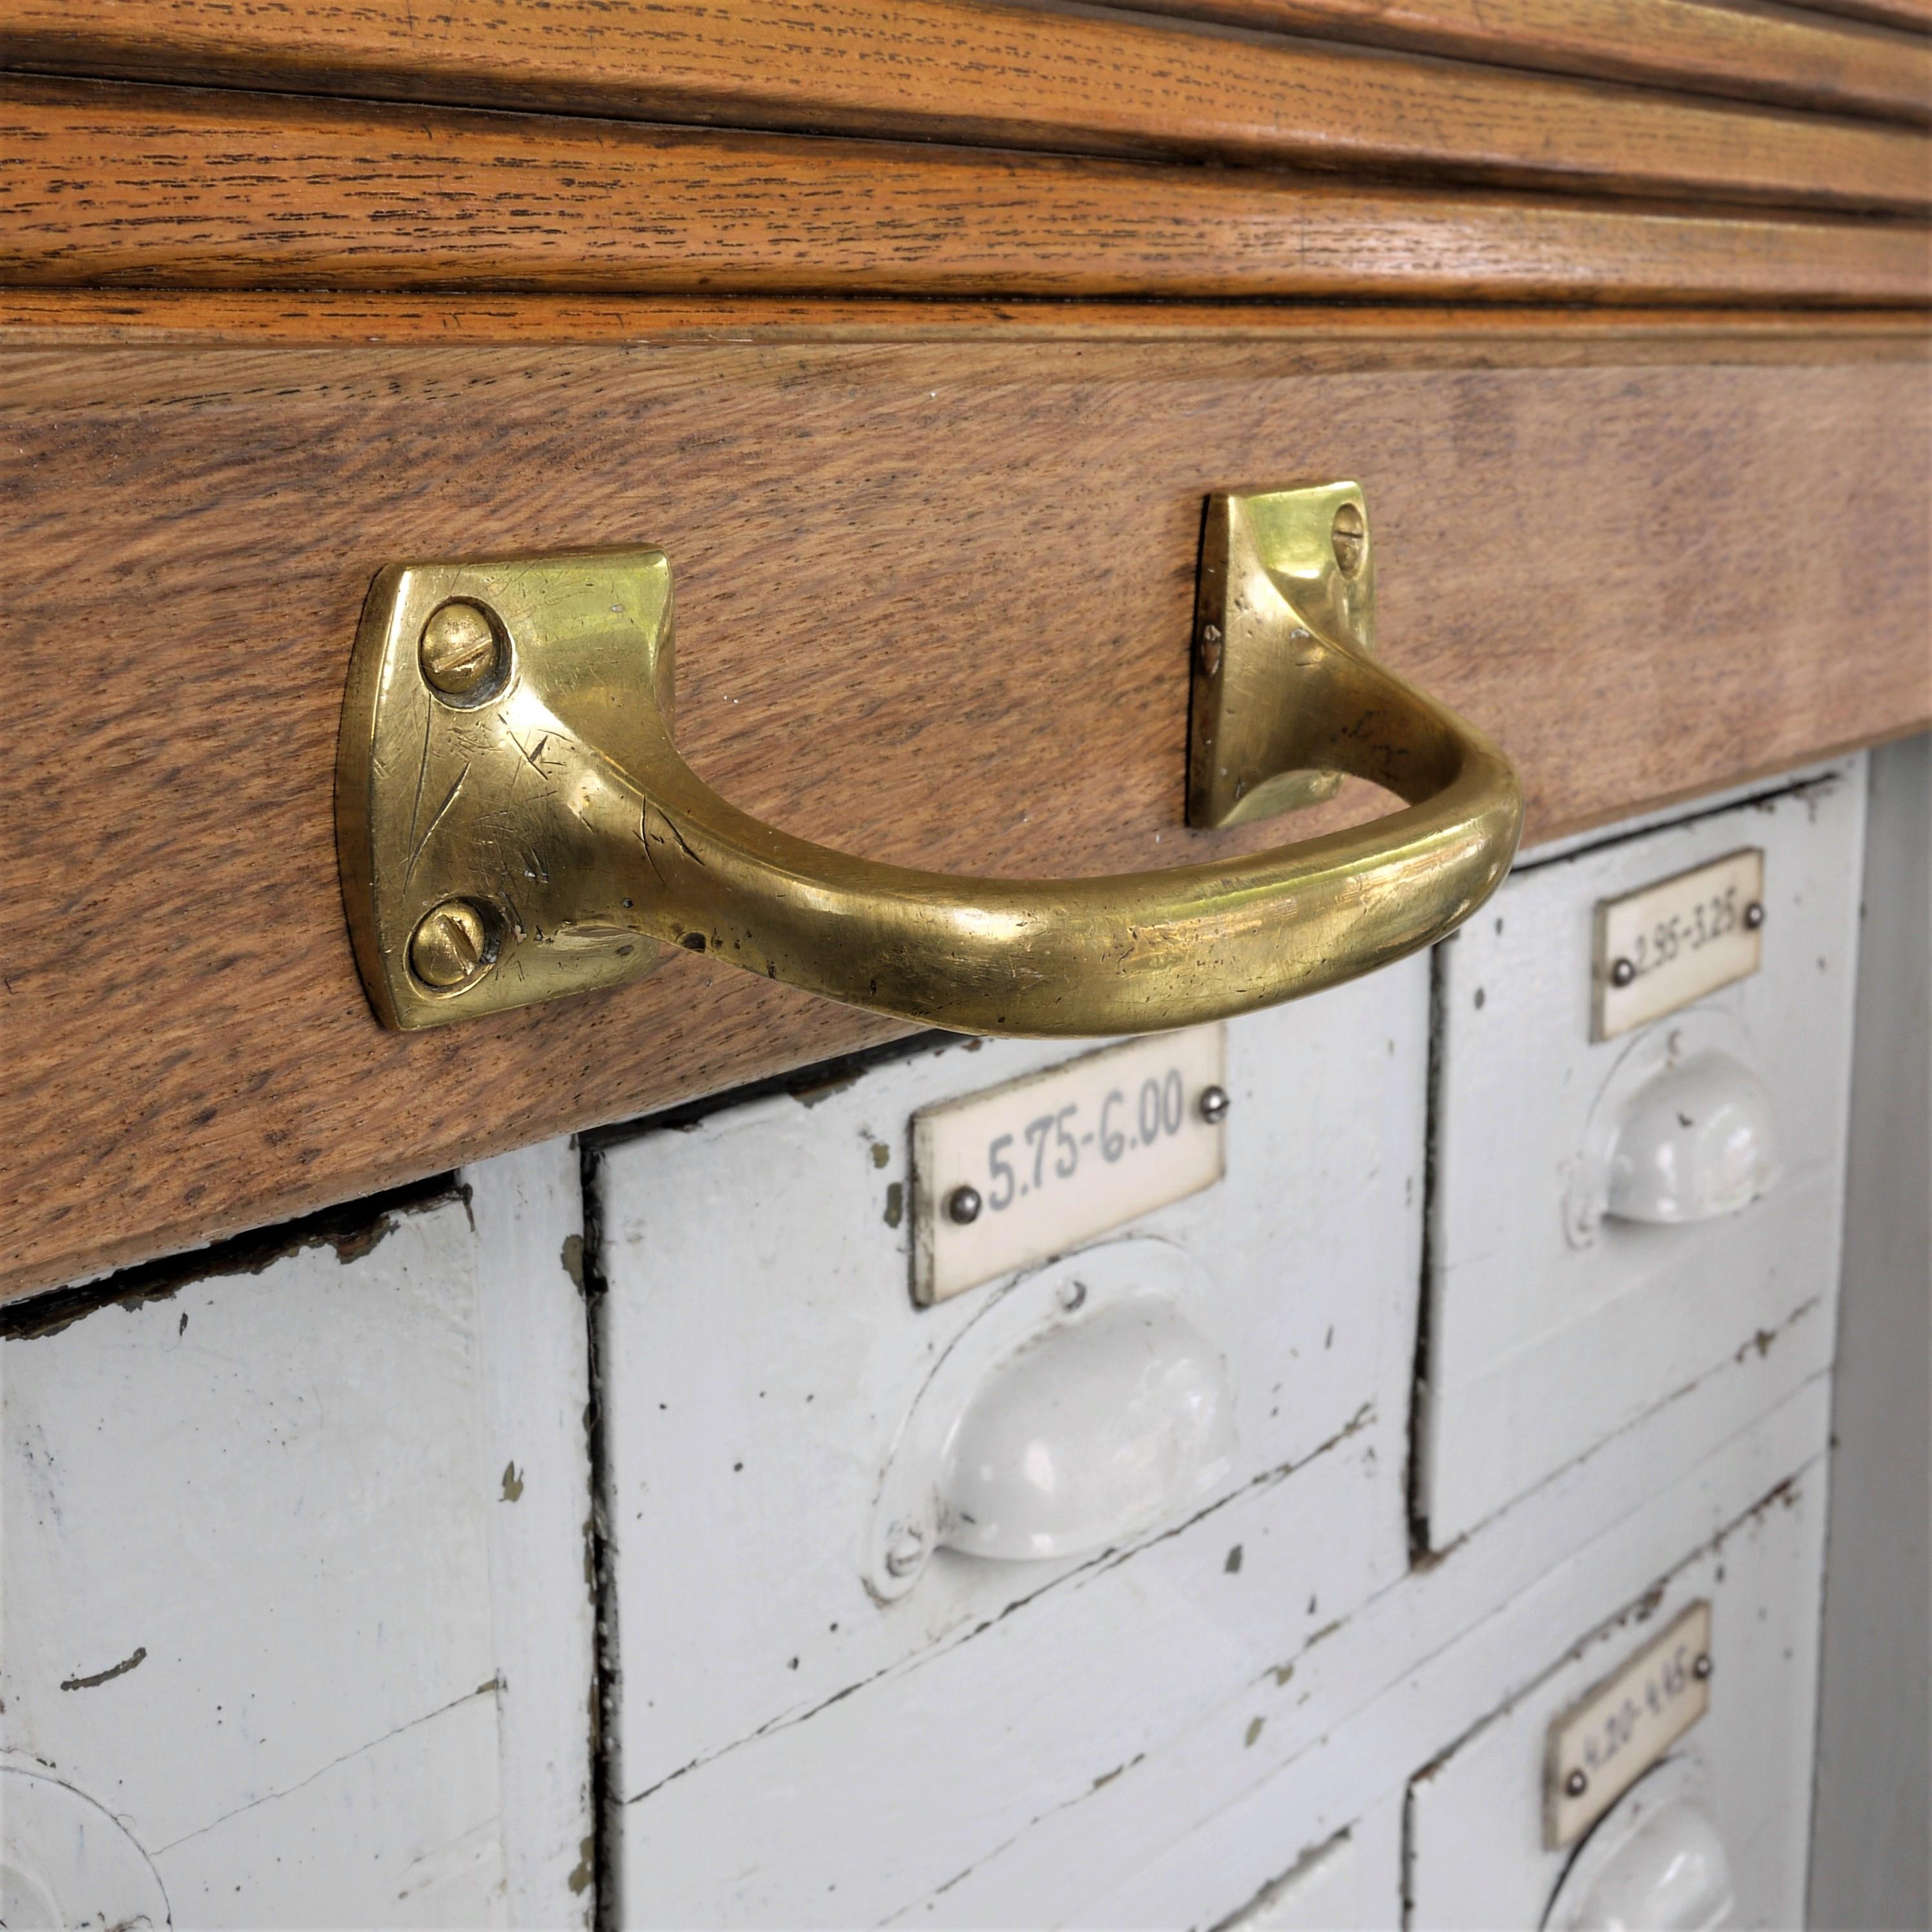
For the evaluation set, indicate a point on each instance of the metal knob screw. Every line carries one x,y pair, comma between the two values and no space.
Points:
907,1552
1753,916
1214,1104
963,1205
1701,1669
1622,972
1576,1784
461,653
450,943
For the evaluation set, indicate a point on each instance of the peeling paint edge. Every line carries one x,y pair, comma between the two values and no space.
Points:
352,1229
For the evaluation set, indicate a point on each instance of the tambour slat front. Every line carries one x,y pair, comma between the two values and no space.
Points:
153,186
1850,64
965,70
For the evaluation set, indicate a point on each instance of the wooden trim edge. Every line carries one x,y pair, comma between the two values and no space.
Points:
94,319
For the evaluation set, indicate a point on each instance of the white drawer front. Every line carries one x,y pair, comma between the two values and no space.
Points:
1733,1794
795,1746
294,1579
1562,1307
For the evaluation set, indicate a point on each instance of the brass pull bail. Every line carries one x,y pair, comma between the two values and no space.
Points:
514,823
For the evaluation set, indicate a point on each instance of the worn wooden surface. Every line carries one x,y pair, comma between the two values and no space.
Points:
935,605
103,182
1762,53
1016,77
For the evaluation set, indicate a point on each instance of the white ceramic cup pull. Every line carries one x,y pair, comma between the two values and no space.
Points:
1085,1404
1697,1141
1092,1432
1683,1131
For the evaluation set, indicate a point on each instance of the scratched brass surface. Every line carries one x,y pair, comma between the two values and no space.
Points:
514,823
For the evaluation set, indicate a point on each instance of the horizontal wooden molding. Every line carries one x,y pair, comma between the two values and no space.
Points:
1916,14
1646,581
1324,335
966,71
1768,53
116,184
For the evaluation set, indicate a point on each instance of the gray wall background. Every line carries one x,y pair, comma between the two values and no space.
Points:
1869,1863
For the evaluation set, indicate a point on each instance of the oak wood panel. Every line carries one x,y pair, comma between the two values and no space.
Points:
1764,52
935,601
103,182
964,70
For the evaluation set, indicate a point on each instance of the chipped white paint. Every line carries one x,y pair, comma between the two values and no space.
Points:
795,1752
251,1528
535,1342
57,1846
1477,1853
1354,1879
1195,1830
1550,1324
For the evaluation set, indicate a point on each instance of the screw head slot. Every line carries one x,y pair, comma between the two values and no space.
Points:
906,1552
1348,537
451,946
963,1205
1214,1105
462,653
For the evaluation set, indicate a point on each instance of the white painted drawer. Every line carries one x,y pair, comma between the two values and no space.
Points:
791,1750
1350,1881
1548,1329
1477,1852
295,1588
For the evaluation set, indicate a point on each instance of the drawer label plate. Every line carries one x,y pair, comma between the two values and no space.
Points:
1050,1160
1659,949
1603,1745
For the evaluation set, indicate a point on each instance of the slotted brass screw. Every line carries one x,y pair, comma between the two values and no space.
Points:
460,652
449,944
1349,535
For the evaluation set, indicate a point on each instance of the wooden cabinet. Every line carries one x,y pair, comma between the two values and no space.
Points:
918,337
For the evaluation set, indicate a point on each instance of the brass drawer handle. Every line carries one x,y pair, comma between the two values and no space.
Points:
514,823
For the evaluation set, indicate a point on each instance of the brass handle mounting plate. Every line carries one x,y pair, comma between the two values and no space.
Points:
514,823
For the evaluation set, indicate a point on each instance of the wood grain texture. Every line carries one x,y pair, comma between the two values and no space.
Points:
935,605
111,183
1914,14
1021,77
1772,53
1315,336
